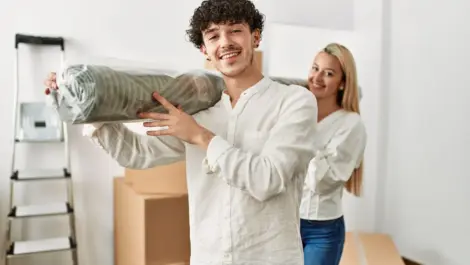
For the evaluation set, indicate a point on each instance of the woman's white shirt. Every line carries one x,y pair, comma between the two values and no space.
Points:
340,141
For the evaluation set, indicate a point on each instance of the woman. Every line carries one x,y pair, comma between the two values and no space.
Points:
337,165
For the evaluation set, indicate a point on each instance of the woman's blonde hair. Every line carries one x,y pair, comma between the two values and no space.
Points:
348,99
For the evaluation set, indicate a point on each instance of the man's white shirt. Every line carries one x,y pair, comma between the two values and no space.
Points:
245,190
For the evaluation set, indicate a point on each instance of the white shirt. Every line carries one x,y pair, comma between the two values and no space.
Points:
245,191
340,141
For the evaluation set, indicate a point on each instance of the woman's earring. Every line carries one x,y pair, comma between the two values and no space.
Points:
341,88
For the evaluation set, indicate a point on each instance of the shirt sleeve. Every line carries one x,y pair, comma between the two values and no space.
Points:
285,155
333,165
132,150
129,149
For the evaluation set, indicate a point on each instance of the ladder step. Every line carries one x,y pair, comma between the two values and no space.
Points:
39,140
40,246
40,174
38,210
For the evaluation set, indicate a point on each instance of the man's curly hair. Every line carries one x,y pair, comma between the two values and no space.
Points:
223,11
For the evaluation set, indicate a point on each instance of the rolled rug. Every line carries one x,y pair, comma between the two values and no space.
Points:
291,81
96,93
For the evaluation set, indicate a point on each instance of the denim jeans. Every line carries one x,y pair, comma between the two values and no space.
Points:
323,241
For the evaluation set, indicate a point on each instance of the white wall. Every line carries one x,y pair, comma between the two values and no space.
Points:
332,14
151,36
426,202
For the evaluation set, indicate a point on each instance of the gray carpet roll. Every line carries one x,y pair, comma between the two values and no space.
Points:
96,93
291,81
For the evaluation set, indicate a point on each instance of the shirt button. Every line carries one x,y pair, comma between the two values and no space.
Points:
227,258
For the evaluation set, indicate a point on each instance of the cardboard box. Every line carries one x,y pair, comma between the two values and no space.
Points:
258,61
371,249
168,179
150,229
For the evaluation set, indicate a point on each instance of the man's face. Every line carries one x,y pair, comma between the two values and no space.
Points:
230,47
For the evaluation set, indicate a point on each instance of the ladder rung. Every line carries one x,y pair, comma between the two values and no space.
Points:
40,246
19,140
40,210
40,174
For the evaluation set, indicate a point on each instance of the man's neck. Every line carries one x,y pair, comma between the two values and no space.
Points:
236,85
326,107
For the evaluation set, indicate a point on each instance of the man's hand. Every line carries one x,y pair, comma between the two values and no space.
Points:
50,83
177,123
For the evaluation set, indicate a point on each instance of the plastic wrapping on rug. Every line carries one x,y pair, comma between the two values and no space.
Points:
291,81
94,93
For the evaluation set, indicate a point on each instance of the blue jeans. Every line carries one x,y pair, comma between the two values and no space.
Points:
323,241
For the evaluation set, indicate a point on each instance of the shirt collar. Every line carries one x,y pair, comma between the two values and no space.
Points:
331,118
256,88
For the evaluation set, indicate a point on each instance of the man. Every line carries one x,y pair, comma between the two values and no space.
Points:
246,157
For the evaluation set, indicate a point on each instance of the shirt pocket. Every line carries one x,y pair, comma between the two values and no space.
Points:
254,141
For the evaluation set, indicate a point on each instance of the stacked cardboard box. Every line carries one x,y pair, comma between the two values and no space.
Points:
168,179
151,217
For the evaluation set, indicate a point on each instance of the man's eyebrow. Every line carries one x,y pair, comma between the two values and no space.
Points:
210,30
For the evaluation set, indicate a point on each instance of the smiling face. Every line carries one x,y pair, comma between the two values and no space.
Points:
326,76
230,47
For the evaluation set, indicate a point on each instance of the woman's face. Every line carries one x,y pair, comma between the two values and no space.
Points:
325,77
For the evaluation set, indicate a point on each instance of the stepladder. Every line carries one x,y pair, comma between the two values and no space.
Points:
37,123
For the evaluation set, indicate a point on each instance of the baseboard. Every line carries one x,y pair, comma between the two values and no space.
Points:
410,262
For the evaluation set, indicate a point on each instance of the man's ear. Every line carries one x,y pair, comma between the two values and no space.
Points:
256,37
203,50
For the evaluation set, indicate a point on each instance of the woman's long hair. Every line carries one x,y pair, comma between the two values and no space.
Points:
348,99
